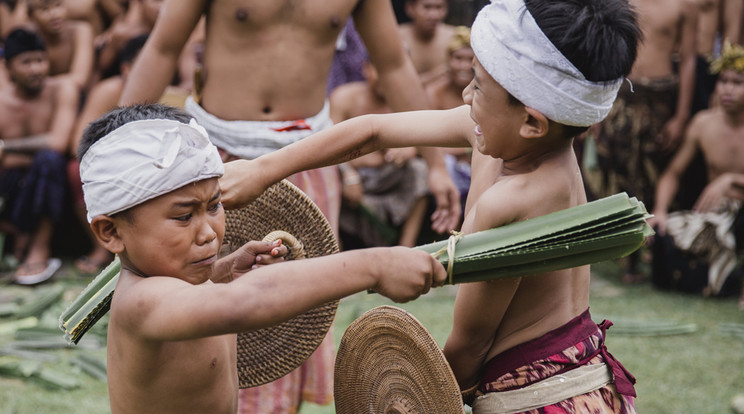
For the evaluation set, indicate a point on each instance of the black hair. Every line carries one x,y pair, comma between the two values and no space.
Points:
21,41
132,48
600,37
120,116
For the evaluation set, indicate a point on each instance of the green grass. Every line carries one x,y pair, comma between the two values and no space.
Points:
699,372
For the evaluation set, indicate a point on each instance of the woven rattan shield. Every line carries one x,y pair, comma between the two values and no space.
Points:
388,363
268,354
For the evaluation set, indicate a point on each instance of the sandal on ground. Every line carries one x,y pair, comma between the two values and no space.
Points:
44,271
88,266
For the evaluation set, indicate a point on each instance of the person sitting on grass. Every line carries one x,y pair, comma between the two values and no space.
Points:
545,70
697,250
37,114
150,182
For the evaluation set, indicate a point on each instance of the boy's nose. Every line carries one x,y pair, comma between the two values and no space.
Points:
206,233
467,93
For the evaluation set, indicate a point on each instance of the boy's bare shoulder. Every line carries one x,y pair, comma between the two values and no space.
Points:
525,196
135,296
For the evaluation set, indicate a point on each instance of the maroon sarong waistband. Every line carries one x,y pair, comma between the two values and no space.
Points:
574,331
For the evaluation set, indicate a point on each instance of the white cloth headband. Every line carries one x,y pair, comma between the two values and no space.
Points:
145,159
516,53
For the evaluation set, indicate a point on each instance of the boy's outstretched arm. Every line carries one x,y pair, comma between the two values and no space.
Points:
168,309
245,180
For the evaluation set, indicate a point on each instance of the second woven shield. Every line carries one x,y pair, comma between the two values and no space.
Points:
388,363
268,354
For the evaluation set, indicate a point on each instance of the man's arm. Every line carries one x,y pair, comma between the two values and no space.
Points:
674,129
65,113
155,65
666,188
375,22
168,309
731,14
344,142
82,62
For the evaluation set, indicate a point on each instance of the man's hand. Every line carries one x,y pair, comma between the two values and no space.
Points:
671,135
405,273
238,185
400,156
447,215
714,193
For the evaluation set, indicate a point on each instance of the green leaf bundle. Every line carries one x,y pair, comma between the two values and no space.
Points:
604,229
92,303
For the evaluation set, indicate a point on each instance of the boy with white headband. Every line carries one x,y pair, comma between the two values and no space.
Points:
544,70
150,185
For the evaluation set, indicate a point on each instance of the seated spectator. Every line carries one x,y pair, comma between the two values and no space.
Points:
706,234
99,13
69,43
391,184
37,115
102,98
426,37
446,93
140,18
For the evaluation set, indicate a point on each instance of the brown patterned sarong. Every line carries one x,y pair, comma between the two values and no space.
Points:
628,155
578,343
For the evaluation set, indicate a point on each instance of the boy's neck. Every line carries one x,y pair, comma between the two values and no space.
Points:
539,152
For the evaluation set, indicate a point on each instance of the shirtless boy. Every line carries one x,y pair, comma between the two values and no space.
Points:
37,115
69,42
426,37
177,306
717,133
522,109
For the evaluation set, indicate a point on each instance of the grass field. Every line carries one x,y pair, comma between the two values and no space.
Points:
698,372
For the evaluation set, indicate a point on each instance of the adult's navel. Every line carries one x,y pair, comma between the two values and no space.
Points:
335,22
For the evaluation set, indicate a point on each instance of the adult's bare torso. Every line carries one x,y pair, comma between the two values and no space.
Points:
661,23
269,60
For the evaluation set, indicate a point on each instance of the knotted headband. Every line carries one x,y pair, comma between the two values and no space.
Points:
516,53
145,159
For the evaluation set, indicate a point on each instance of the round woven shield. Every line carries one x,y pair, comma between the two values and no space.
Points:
268,354
388,363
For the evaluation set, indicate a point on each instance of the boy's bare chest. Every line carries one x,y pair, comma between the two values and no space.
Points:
724,152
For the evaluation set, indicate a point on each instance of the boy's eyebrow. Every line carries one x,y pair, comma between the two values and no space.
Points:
192,202
475,76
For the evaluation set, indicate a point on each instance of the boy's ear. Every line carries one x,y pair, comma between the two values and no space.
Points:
535,126
105,230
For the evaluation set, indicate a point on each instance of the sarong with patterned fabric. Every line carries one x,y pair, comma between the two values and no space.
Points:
313,380
628,153
708,237
38,191
577,343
